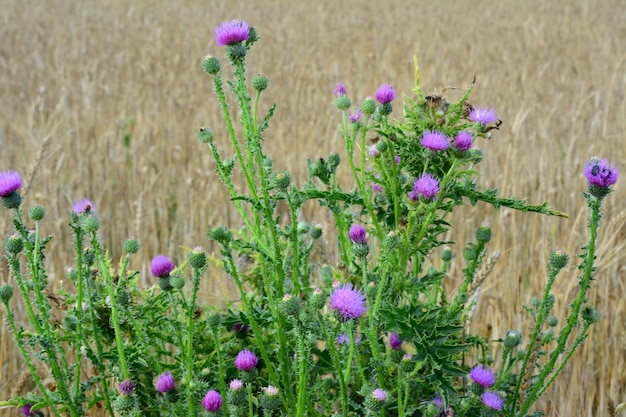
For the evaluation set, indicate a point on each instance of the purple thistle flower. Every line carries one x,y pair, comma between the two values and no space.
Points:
212,401
161,266
492,400
26,410
426,186
340,90
385,94
355,116
463,141
357,234
373,151
270,391
236,385
600,174
230,33
343,339
484,115
438,401
348,301
126,387
396,159
376,187
483,376
165,382
10,182
394,341
379,395
82,206
246,360
435,141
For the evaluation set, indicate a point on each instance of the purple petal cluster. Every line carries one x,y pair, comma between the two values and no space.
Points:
126,387
212,401
340,90
463,140
236,385
357,234
355,116
426,186
492,400
385,94
246,360
483,376
379,395
165,382
82,206
161,266
26,410
230,33
10,182
484,115
600,174
394,341
348,301
435,141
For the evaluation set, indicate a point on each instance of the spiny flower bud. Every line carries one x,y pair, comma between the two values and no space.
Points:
14,244
214,320
446,254
318,299
382,146
369,106
211,65
6,292
177,280
164,283
197,258
221,234
90,224
130,246
206,135
236,52
290,305
469,252
260,82
270,400
547,336
333,161
558,259
513,338
343,103
553,321
282,180
123,297
589,314
36,213
483,234
376,400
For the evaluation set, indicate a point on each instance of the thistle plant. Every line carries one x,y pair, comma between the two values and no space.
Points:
375,334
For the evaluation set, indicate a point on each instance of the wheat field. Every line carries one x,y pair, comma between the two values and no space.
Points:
102,99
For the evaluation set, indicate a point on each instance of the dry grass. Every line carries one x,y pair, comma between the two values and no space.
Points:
75,72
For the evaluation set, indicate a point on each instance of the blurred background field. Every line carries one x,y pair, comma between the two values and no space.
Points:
102,99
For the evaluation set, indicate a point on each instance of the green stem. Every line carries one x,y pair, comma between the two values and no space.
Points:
191,308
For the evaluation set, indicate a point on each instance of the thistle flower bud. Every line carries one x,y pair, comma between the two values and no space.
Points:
14,244
535,302
376,400
446,254
290,305
211,65
214,320
558,260
260,82
333,161
386,109
197,258
164,283
547,336
36,213
206,135
513,339
318,299
282,180
90,224
553,321
382,146
236,52
270,400
130,246
6,292
177,281
590,314
123,297
368,107
483,234
221,234
469,252
343,103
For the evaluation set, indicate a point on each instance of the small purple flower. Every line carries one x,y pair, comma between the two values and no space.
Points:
240,327
236,385
435,141
463,141
10,182
385,94
396,159
212,401
246,360
357,234
126,387
26,410
376,187
379,395
492,400
426,186
484,115
438,401
161,266
343,339
355,116
270,391
165,382
233,32
600,174
483,376
348,301
82,206
340,90
373,151
394,341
